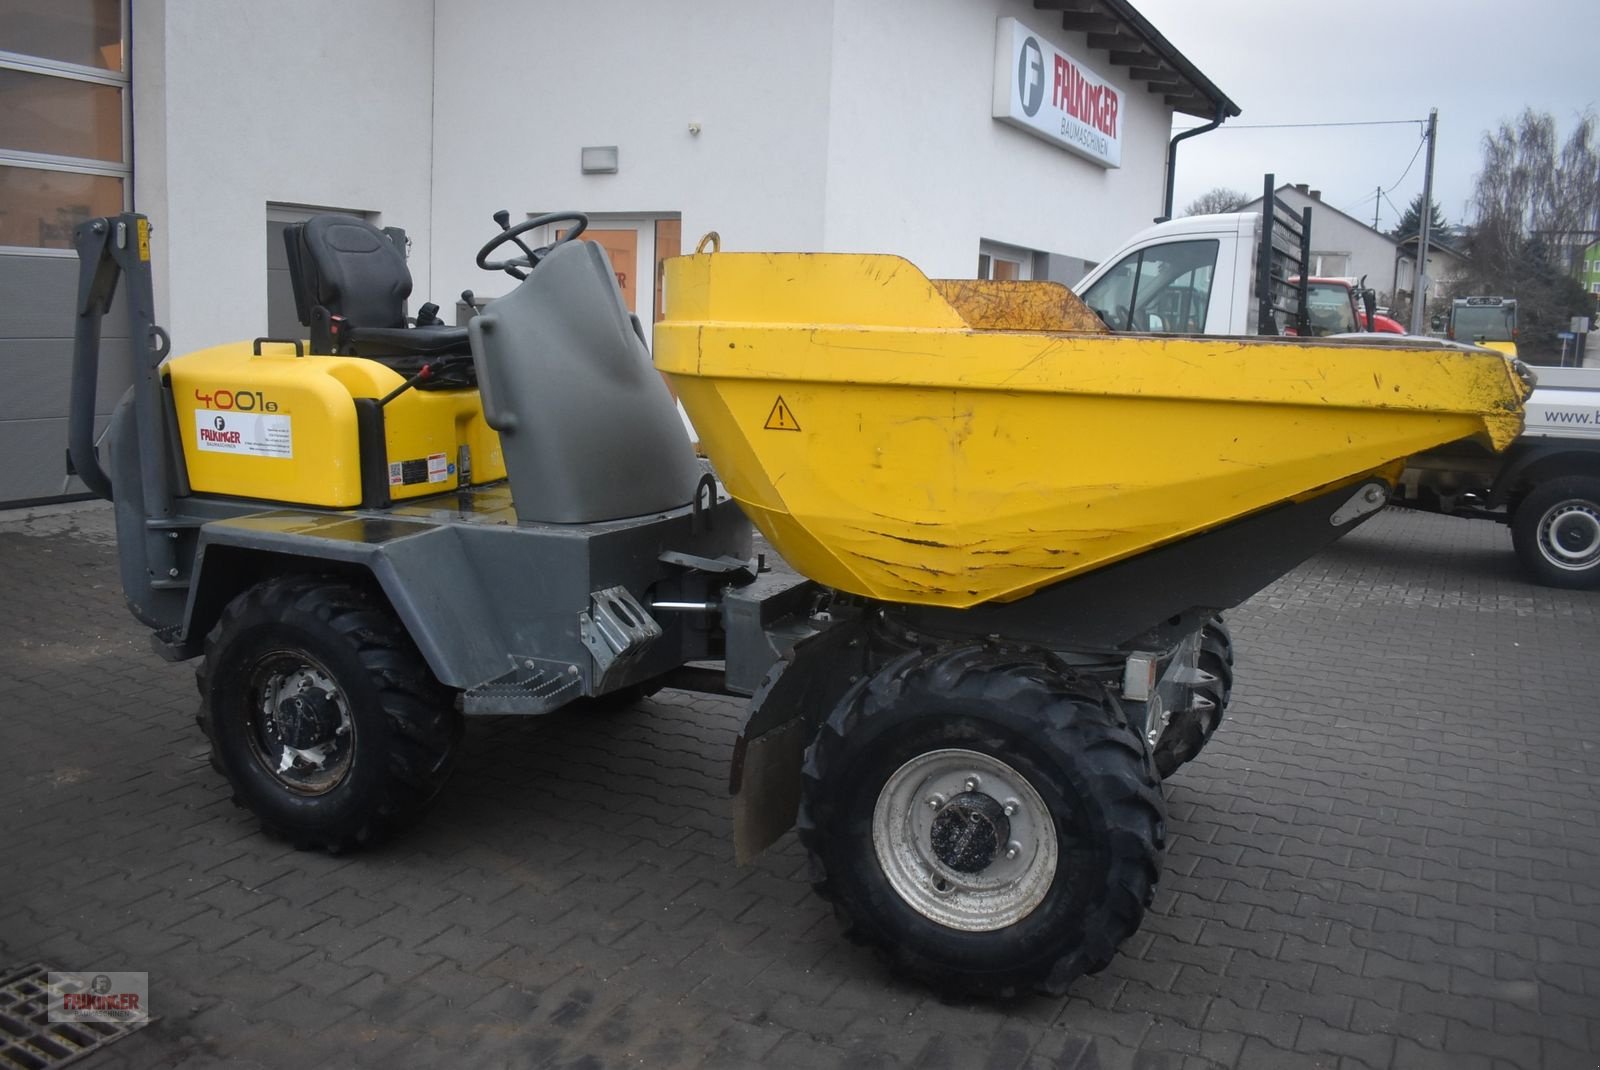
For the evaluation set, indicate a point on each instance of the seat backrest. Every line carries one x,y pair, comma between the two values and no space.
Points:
349,267
587,428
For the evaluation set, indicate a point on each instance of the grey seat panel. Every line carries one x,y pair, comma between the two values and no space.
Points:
587,427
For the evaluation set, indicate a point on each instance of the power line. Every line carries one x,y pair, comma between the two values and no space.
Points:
1307,126
1359,205
1384,192
1420,142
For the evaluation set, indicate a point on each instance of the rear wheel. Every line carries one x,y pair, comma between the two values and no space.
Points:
1556,532
990,823
322,714
1191,729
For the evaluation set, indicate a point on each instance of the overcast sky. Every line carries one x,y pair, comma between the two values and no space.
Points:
1355,60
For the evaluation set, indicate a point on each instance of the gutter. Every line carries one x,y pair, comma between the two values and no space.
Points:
1172,156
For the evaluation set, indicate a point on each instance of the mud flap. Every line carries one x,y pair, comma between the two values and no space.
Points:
796,696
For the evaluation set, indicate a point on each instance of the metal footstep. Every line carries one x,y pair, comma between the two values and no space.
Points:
30,1041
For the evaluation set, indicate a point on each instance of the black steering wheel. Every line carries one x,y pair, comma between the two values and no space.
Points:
530,260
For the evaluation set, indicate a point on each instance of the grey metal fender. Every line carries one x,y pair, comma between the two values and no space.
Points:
1564,456
422,568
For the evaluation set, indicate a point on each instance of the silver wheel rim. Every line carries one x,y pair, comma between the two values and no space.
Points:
1569,535
944,790
306,770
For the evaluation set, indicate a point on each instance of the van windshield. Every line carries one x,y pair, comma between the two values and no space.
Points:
1162,289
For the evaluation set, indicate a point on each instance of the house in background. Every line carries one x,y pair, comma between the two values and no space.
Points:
1341,245
1344,246
1445,268
1589,269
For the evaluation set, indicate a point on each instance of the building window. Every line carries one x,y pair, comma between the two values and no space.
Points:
1594,287
1004,263
64,117
1330,265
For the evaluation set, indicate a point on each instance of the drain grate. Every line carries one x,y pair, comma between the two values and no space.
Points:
30,1041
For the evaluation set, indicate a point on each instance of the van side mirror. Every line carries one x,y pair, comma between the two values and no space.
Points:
1369,302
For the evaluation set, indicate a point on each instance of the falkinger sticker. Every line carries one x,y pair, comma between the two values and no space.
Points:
254,434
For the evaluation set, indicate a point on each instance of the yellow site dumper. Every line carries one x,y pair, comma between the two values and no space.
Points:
1006,537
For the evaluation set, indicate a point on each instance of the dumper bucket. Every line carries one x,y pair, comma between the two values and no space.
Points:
950,444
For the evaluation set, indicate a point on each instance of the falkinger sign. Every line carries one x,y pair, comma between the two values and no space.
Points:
1046,92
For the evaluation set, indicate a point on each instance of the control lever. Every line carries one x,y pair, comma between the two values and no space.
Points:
503,217
423,374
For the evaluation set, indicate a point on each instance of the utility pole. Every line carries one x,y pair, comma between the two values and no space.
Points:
1419,285
1377,202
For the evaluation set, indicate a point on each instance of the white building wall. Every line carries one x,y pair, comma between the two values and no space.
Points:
917,164
834,124
522,87
240,102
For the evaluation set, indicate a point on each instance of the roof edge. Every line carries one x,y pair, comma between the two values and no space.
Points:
1143,28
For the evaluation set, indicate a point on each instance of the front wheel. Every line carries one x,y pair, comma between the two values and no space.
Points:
988,822
322,714
1556,532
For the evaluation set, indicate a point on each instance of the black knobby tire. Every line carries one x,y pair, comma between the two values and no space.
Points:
1070,743
1191,730
405,730
1569,505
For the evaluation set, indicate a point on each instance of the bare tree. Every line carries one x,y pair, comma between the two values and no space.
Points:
1213,202
1533,190
1537,204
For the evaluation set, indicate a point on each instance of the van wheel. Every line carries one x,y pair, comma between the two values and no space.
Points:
1556,532
322,714
991,824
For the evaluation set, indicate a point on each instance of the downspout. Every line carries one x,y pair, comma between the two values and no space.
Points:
1172,158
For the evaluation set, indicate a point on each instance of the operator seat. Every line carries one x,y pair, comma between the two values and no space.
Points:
350,285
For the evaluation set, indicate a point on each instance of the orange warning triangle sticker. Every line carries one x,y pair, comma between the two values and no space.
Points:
781,418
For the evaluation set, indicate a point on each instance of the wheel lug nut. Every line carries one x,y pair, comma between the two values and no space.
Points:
972,783
1009,808
1013,849
935,801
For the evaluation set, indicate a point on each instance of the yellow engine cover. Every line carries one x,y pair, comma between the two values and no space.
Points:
283,428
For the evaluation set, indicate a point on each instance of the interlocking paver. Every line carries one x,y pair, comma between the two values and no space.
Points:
1387,857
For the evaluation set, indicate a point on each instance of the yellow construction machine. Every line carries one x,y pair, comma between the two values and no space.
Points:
1005,538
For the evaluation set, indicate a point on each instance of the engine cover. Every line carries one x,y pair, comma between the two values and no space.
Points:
283,428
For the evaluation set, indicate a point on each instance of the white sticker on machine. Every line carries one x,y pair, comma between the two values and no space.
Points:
255,434
434,468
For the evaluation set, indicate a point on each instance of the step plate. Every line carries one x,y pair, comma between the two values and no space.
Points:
529,691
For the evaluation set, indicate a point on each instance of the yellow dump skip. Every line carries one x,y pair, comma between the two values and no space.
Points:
935,443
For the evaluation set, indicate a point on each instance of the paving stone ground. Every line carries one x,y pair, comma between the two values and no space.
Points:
1387,857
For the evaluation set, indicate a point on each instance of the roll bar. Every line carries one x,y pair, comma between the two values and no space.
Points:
110,247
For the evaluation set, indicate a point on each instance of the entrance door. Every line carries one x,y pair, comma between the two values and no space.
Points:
636,245
622,249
